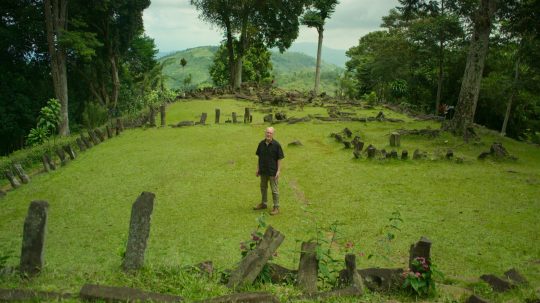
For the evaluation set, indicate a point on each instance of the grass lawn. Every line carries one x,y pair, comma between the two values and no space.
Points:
482,216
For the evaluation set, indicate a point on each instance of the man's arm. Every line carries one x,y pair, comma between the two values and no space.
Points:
257,173
278,168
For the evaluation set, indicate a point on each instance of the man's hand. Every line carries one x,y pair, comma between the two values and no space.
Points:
277,176
257,173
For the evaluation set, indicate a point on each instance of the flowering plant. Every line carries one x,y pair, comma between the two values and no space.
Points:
419,278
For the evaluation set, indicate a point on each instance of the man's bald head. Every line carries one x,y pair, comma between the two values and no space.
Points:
269,134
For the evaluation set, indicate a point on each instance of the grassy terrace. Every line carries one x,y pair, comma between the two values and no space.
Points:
482,216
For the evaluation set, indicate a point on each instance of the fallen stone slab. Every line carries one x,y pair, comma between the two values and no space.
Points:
252,264
382,279
513,275
25,295
295,143
248,297
93,293
498,284
351,291
280,274
476,299
184,123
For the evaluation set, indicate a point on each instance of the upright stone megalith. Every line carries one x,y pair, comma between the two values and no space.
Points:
21,173
218,114
162,115
33,242
308,268
421,249
139,230
11,177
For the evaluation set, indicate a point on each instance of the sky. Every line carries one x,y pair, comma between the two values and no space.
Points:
175,25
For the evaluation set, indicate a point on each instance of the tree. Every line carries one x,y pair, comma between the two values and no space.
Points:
315,17
256,65
470,85
183,62
56,24
275,23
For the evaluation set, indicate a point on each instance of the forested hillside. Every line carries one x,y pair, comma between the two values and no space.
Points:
291,70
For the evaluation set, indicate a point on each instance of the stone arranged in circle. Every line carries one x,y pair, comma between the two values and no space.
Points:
100,134
81,145
71,153
62,155
12,180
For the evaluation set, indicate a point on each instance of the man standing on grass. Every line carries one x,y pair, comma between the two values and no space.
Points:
270,154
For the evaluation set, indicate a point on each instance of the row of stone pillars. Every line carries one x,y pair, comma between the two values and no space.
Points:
152,115
248,118
34,234
64,153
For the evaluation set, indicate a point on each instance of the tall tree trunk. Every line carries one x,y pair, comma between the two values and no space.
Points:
242,48
441,65
470,85
318,64
55,22
511,99
230,50
115,80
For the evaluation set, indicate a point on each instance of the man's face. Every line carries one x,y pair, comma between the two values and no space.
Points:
269,134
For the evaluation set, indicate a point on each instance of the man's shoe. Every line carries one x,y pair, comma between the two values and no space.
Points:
260,206
274,211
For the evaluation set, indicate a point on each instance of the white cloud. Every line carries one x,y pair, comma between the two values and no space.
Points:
175,25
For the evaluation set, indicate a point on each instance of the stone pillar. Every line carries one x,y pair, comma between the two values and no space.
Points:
50,161
139,231
100,134
86,142
152,116
71,153
421,249
395,139
93,137
404,154
234,118
46,166
11,177
35,226
417,154
162,115
308,268
393,154
62,156
81,145
20,173
353,277
246,115
371,150
203,119
218,113
109,131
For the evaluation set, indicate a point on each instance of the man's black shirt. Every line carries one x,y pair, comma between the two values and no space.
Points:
269,154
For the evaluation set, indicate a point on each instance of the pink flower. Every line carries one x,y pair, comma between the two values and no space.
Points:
254,237
418,275
349,245
361,254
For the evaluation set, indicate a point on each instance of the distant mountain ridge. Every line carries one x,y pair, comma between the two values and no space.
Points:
292,70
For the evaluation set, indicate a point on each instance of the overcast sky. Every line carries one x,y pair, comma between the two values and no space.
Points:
174,24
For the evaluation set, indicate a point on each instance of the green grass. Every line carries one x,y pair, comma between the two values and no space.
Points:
481,216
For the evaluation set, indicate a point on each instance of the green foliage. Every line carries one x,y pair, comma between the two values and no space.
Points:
256,65
48,120
94,115
318,12
419,279
371,98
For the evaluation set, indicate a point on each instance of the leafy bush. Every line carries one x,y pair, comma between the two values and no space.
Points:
371,98
48,120
419,278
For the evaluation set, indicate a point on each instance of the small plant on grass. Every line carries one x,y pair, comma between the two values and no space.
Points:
252,243
419,279
47,125
388,234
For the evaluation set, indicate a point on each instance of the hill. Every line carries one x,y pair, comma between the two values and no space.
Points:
330,55
292,70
